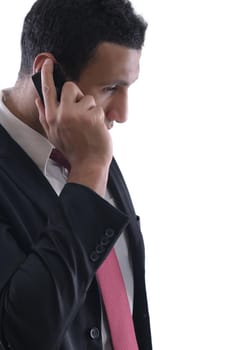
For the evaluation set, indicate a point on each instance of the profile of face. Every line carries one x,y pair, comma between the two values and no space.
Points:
108,76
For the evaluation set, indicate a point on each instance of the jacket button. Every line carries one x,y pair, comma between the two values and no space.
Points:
94,333
94,257
109,232
100,249
105,241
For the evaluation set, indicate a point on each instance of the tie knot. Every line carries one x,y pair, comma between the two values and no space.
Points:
58,157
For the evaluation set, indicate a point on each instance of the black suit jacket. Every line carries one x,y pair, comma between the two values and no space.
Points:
50,249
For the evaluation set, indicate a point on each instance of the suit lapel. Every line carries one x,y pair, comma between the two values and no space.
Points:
118,188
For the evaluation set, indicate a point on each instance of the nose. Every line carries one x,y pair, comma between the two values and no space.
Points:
118,110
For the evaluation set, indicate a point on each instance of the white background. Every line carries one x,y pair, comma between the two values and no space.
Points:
176,155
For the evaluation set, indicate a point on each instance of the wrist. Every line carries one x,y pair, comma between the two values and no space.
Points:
95,177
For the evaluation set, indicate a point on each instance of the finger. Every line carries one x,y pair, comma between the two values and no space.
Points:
48,88
87,102
71,93
42,118
97,116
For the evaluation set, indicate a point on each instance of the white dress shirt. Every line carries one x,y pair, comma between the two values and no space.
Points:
39,149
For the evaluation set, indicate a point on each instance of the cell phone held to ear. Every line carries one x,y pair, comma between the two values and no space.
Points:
58,77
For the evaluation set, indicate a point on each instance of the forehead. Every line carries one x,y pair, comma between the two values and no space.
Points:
113,62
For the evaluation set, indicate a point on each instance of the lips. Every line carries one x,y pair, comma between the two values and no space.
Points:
109,124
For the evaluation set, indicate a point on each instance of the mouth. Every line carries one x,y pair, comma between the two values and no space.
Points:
109,125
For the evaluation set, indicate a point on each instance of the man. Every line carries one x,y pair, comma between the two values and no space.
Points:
59,226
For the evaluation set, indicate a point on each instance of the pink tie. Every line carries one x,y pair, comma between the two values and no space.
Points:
116,304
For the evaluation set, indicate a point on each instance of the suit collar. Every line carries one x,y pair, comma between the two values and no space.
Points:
25,136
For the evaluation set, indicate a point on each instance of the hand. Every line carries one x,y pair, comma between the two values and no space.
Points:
76,126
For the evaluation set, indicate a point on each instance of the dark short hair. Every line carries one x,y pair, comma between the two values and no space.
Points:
72,29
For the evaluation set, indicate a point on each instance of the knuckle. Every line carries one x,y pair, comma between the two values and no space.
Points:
99,111
97,115
46,90
70,89
90,100
51,119
69,85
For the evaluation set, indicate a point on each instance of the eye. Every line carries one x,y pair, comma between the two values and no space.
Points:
110,88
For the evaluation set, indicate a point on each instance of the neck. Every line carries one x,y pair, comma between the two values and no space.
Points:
20,100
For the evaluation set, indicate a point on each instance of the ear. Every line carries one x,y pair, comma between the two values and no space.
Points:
39,60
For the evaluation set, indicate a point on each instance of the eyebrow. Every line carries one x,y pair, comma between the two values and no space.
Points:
120,82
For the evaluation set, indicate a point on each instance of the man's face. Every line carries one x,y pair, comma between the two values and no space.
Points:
107,78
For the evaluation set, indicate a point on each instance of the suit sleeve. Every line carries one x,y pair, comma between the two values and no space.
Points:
41,292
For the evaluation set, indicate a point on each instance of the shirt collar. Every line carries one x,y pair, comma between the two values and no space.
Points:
34,144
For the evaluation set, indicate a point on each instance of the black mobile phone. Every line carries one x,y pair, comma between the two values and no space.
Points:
58,77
